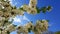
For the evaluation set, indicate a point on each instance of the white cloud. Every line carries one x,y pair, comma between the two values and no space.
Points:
25,18
17,19
20,20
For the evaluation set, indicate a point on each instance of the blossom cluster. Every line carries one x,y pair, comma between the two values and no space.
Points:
38,28
7,11
31,8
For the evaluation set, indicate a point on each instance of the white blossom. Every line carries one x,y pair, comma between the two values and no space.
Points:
33,3
25,7
32,11
10,28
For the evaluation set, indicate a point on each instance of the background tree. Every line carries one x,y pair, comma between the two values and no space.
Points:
57,32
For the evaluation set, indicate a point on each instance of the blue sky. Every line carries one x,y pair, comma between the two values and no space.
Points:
53,16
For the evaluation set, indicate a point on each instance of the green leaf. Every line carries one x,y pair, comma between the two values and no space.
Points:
49,8
44,9
38,10
21,8
42,21
35,29
8,32
14,25
29,30
14,7
31,21
47,20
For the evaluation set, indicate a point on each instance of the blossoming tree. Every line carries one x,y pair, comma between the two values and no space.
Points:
7,11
